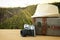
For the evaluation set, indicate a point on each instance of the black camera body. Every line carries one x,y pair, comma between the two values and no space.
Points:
25,32
28,30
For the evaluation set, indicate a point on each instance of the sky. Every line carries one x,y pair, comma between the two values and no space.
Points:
23,3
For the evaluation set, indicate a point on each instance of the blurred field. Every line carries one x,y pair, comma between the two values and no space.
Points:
14,34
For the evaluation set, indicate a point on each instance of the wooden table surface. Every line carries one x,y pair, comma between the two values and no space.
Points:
14,34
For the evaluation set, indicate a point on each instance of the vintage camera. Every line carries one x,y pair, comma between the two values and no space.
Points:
28,30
